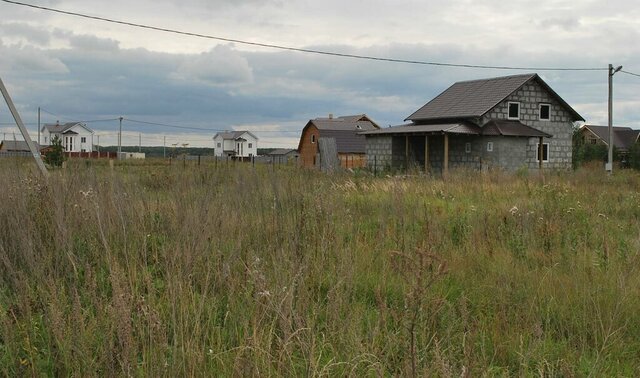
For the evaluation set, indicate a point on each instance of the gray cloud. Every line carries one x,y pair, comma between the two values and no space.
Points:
67,68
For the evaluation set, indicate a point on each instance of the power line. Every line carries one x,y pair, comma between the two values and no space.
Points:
630,73
297,49
204,129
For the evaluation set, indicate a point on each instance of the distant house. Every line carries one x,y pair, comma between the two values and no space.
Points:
351,146
284,156
623,137
508,123
19,148
75,136
240,144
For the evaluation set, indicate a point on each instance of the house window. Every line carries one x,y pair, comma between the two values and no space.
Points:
545,152
250,145
219,144
514,110
45,140
544,110
83,139
490,147
313,138
467,147
593,141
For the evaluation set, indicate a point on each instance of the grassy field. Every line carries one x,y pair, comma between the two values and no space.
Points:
154,270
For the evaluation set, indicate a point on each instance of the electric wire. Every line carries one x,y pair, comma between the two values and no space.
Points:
298,49
630,73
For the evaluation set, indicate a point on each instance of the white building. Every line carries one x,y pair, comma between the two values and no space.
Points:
241,144
75,136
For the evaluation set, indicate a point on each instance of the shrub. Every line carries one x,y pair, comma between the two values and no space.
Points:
55,156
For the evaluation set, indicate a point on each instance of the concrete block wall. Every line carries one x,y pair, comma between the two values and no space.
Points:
560,125
379,152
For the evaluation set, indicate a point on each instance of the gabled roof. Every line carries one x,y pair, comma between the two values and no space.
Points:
623,137
233,135
345,130
56,128
17,145
474,98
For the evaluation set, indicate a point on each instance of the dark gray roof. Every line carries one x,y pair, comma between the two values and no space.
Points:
347,141
342,124
623,137
17,145
450,128
512,128
468,99
282,151
61,128
232,134
504,128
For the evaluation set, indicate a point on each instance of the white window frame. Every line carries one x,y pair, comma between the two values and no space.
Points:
509,108
219,145
313,138
538,151
250,145
467,147
489,146
83,139
540,112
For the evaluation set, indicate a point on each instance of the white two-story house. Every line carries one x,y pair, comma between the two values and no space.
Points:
75,136
239,144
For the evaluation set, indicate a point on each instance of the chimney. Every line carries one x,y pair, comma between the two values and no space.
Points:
330,115
57,123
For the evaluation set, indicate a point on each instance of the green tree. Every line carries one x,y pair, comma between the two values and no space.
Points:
55,155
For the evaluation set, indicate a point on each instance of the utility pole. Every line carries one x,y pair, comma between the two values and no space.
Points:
23,130
139,142
612,72
38,125
98,142
120,140
164,147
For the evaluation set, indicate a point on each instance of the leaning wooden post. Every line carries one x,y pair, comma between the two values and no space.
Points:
25,134
445,163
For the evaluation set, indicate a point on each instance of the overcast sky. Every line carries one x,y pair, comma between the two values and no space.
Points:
78,69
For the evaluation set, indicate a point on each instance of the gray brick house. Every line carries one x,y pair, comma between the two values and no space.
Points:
505,122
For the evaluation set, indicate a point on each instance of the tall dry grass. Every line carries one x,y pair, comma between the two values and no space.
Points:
232,270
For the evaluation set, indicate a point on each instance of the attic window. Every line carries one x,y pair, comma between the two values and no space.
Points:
313,138
358,127
544,112
514,110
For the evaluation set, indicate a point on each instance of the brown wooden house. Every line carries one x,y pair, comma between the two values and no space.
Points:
351,146
623,137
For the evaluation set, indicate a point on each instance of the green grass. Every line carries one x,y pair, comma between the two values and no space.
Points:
155,270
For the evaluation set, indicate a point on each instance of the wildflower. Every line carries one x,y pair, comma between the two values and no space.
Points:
264,293
514,210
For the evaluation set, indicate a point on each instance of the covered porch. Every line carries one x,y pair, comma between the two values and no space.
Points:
436,149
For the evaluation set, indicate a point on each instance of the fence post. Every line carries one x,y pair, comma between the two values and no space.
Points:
198,160
375,165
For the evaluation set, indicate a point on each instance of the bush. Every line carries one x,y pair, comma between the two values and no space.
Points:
55,156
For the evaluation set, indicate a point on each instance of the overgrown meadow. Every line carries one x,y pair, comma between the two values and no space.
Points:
232,270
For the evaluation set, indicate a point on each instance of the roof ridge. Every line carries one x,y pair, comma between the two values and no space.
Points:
496,78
